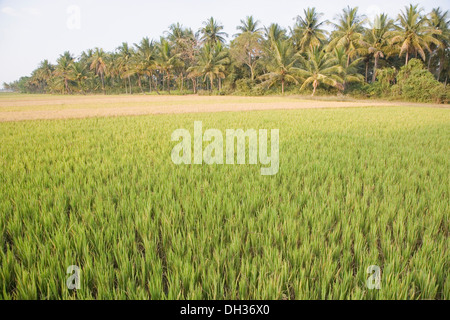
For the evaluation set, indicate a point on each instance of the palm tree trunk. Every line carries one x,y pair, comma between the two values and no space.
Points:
441,67
407,57
66,84
282,86
168,82
155,83
164,88
252,72
129,80
103,83
314,89
375,66
367,70
211,83
140,84
194,85
149,84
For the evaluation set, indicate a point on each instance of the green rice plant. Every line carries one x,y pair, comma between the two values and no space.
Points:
356,187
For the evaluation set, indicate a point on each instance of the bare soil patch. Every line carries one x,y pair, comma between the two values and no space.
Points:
106,106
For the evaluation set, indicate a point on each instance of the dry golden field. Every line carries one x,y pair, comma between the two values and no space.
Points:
15,107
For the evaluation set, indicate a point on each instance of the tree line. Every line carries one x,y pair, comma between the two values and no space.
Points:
358,55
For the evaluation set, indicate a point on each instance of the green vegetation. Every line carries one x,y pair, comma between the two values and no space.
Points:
356,187
351,59
413,82
416,84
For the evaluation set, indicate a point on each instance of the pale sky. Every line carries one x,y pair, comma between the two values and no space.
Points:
34,30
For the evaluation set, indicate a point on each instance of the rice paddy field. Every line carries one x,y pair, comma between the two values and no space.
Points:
356,187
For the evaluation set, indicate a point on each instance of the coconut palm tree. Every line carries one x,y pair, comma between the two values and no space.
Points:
413,35
212,62
144,62
137,67
249,25
348,32
281,65
86,56
125,55
440,21
308,31
275,33
348,73
98,65
175,33
320,67
212,32
79,74
43,74
377,40
167,60
45,70
64,68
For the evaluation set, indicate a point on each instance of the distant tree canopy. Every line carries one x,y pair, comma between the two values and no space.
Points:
356,56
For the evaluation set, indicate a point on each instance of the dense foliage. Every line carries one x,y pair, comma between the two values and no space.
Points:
355,57
412,82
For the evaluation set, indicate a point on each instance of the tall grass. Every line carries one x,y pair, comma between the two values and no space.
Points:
356,187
